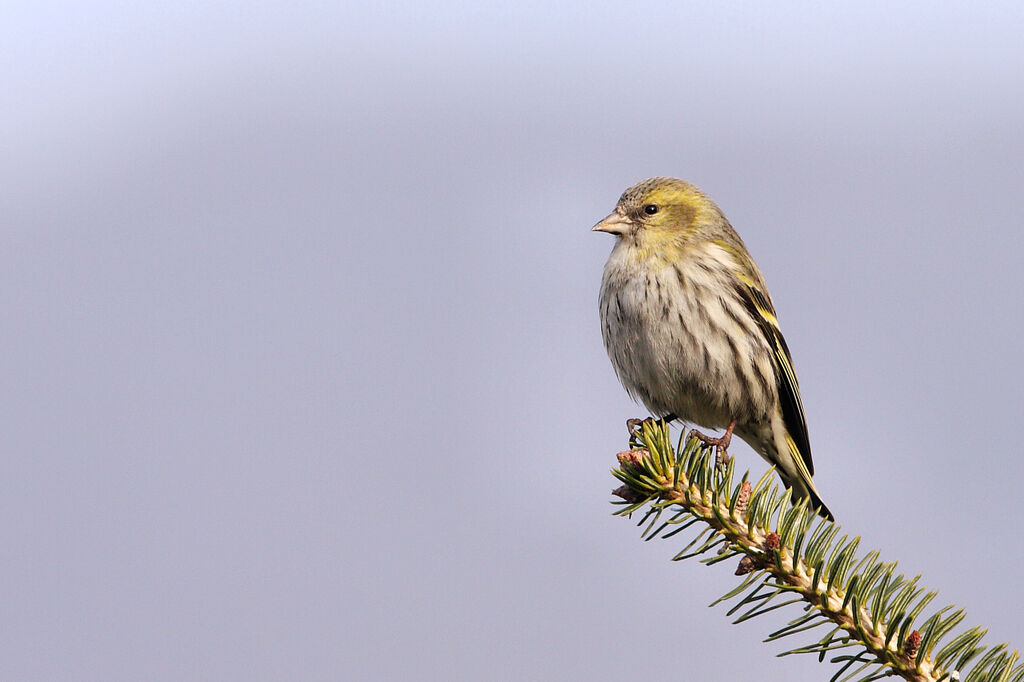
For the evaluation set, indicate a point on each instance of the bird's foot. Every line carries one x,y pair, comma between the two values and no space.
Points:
721,444
634,426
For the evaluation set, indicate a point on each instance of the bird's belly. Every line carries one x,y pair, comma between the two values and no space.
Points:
676,355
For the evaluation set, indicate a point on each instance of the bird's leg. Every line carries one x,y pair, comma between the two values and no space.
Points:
721,444
633,425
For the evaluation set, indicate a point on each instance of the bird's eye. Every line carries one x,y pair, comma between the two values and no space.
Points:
650,209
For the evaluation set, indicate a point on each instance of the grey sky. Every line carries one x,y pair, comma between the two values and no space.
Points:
302,371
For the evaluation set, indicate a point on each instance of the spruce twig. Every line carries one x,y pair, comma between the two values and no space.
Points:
789,556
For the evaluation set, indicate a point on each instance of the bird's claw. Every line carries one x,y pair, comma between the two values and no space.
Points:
721,444
635,427
634,424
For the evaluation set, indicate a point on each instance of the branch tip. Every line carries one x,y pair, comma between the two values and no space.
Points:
628,494
913,644
632,457
743,498
749,564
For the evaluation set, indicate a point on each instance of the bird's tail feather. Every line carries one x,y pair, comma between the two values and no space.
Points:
795,475
804,487
802,490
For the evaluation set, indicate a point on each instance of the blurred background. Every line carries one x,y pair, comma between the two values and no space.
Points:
302,373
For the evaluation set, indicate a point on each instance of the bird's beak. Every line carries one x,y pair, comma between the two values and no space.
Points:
614,223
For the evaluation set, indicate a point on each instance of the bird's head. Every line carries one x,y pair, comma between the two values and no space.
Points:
660,212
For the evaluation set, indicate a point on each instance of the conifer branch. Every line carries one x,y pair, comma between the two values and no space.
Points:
790,557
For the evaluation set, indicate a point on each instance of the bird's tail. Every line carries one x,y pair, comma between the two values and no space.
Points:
807,489
796,476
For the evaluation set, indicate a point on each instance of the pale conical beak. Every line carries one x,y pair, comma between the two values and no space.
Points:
614,223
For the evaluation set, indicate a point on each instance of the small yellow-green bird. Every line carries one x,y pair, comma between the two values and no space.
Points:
691,329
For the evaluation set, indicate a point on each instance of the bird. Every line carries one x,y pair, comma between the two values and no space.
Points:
692,332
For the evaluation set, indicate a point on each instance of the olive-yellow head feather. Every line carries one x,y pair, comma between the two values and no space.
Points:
662,211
